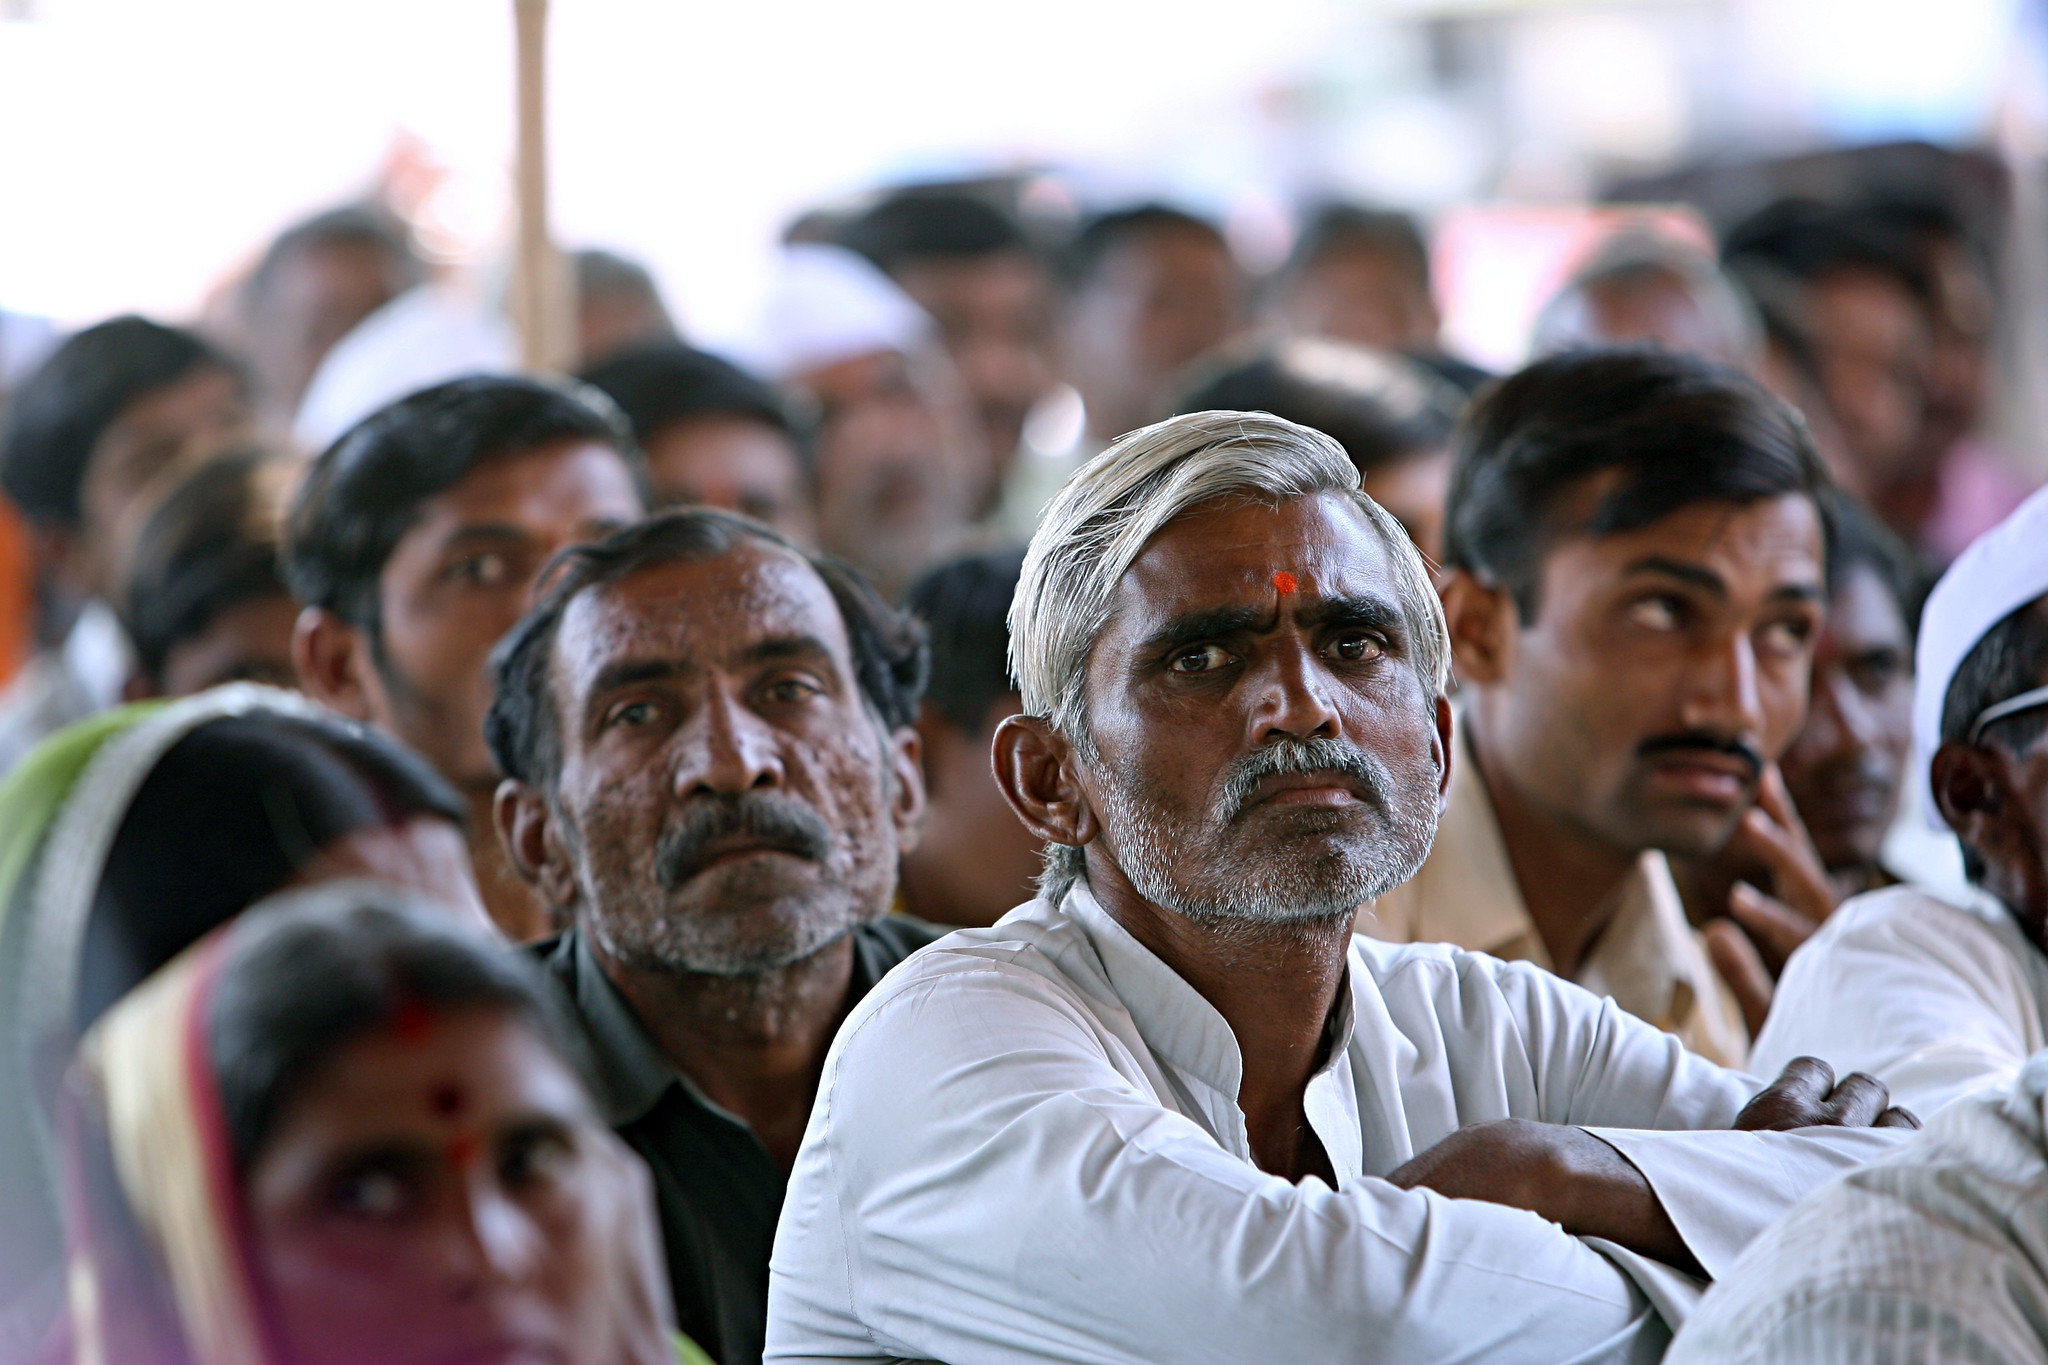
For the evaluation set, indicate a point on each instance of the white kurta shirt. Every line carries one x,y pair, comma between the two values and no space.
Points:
1932,1255
1026,1146
1932,998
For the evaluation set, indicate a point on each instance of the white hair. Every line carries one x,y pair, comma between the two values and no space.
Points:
1105,515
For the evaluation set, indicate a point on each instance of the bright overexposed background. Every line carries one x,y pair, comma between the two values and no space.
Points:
149,147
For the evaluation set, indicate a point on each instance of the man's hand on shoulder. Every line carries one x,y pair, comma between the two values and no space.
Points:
1558,1172
1805,1095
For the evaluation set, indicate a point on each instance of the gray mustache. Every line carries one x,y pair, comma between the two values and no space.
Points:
1289,756
780,821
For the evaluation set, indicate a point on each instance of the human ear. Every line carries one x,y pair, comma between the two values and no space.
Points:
330,656
1443,749
1034,765
1482,622
906,762
533,843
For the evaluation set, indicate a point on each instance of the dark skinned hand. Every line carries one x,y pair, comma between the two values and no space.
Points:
1805,1095
1750,946
1555,1171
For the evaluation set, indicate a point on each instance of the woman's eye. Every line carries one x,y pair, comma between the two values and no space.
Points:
533,1158
1655,613
1358,648
375,1193
1199,659
484,571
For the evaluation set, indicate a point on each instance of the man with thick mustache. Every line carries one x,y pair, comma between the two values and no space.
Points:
710,773
1635,568
1173,1109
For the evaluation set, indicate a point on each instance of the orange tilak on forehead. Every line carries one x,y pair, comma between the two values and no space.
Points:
1285,582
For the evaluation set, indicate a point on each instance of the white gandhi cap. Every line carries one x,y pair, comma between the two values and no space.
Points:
2001,571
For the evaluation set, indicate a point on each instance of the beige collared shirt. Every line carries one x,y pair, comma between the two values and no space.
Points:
1649,958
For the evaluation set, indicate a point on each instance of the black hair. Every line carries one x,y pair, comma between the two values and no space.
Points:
1678,430
1104,233
208,546
667,381
1805,240
1863,542
303,977
58,413
1381,407
606,272
933,223
1330,228
965,607
229,814
889,655
369,225
364,492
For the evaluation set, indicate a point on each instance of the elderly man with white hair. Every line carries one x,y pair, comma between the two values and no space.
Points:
1171,1109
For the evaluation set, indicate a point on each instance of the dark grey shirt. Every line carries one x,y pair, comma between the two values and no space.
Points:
719,1191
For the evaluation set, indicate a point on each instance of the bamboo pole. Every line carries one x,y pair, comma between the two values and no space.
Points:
543,291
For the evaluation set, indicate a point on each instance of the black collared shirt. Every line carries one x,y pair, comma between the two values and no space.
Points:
719,1191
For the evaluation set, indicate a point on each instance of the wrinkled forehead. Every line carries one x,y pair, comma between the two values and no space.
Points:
711,613
1238,551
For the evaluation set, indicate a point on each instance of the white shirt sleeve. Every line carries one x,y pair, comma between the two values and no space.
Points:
984,1182
1918,993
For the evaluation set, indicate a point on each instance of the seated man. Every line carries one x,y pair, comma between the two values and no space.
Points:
413,544
973,862
713,434
1634,566
710,775
1940,999
1173,1109
1930,1256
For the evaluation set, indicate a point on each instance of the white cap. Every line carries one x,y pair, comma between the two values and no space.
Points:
2000,572
421,338
827,304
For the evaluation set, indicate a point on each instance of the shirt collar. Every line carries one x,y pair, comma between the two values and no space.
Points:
632,1072
1172,1017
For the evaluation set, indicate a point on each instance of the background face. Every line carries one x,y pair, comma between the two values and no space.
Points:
1702,625
735,462
464,575
436,1195
1206,665
724,792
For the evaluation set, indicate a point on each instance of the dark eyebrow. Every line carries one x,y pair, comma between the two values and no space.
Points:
627,672
1366,610
777,648
1709,581
487,532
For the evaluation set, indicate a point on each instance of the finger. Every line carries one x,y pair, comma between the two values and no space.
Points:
1807,1078
1737,961
1800,878
1857,1101
1776,929
1794,1100
1776,799
1898,1116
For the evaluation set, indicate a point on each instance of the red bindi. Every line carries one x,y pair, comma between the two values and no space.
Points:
462,1148
412,1023
1285,582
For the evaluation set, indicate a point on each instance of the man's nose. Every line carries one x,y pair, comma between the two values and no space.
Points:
1294,696
726,750
1722,694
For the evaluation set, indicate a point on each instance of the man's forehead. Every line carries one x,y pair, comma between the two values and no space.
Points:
700,612
1232,548
1784,529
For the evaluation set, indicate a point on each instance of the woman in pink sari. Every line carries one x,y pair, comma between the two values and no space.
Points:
342,1130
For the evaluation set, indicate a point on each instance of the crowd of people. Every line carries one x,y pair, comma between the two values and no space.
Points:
1058,800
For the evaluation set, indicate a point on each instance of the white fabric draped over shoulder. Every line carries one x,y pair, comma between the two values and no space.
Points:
1931,1256
1935,999
1026,1146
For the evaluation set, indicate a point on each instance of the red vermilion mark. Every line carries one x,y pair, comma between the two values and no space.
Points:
462,1148
1285,582
446,1100
412,1023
